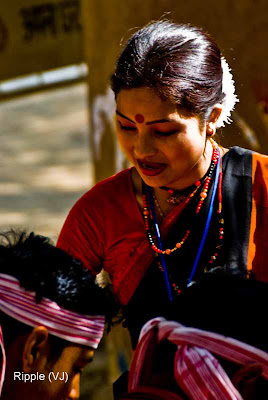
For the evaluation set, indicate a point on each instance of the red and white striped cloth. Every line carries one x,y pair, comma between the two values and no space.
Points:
196,370
21,305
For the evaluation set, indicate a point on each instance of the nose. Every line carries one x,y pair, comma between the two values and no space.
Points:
75,388
144,145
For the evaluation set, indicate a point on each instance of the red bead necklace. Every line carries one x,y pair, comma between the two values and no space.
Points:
203,196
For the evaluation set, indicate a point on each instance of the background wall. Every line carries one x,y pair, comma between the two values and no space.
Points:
36,35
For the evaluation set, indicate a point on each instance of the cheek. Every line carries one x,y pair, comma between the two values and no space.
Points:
66,390
183,150
54,390
126,142
63,390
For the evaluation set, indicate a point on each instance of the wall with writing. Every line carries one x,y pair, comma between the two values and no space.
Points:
38,35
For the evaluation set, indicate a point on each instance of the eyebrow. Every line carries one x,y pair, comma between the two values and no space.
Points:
87,359
157,121
123,116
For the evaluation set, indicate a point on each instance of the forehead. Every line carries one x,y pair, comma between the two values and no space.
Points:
143,101
76,353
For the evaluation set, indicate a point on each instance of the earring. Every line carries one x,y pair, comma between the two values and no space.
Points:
210,131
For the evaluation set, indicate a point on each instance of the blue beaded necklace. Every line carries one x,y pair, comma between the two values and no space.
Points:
204,236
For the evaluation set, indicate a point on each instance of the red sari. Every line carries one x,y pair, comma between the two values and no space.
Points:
105,228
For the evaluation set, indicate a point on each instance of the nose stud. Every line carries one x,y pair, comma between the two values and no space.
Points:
139,118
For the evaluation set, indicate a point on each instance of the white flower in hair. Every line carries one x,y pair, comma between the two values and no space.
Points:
230,99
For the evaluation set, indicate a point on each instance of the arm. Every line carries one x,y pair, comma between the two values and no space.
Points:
82,233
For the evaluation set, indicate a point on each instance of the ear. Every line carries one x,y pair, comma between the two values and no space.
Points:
211,123
35,348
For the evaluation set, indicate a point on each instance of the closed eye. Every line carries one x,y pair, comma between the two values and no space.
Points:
126,128
167,133
77,370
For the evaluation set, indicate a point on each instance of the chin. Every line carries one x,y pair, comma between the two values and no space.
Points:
153,181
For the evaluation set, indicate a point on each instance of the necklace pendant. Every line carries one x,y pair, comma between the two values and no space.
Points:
176,199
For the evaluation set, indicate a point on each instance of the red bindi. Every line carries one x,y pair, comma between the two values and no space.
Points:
139,118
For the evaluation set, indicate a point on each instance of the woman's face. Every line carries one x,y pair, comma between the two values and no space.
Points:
167,148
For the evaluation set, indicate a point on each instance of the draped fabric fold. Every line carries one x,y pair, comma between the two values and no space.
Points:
196,370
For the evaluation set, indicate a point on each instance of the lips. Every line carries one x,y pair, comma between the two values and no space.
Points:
151,168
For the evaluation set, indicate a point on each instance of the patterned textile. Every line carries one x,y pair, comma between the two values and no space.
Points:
196,370
21,305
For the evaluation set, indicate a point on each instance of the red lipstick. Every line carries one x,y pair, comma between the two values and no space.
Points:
151,168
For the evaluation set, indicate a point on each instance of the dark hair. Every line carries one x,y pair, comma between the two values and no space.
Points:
230,305
13,328
50,272
226,304
179,62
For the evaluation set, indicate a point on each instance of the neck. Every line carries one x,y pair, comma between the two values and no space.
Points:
163,195
176,196
196,174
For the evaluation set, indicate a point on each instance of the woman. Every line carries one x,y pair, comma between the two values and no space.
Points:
187,205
